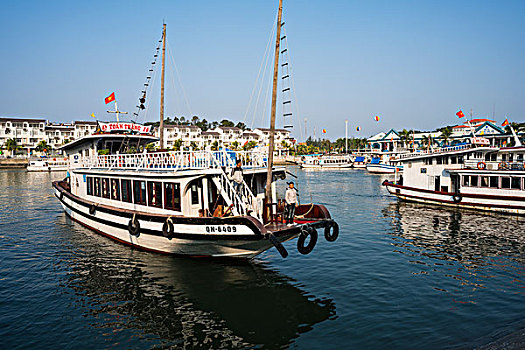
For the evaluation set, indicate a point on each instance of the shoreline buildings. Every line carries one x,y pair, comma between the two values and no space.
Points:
29,132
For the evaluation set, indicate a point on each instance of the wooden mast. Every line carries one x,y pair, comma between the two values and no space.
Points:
161,126
274,105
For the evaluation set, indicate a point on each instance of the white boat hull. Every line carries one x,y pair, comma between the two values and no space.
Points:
382,168
515,205
236,240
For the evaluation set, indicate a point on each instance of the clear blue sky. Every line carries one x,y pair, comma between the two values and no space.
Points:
413,63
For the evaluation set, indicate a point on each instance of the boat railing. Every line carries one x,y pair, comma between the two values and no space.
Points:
173,160
481,164
241,198
446,149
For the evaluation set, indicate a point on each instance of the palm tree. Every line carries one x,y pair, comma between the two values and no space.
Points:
42,146
404,136
427,141
11,145
215,146
445,134
177,144
235,145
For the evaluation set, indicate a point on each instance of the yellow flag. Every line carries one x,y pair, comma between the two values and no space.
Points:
93,115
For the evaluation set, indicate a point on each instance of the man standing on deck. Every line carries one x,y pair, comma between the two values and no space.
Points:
237,176
291,202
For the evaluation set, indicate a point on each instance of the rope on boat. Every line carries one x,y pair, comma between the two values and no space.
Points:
308,212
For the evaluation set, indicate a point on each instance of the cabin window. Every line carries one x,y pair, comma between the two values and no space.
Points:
194,194
453,160
89,184
172,196
105,187
487,157
428,161
97,186
139,192
460,160
515,183
484,181
505,182
494,180
126,191
115,189
423,170
466,181
504,157
474,181
439,160
155,194
519,158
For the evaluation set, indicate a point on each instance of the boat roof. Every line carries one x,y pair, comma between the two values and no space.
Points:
93,137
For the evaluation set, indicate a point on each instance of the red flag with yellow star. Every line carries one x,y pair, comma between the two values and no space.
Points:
110,98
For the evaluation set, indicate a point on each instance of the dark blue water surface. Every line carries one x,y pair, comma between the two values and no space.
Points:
400,276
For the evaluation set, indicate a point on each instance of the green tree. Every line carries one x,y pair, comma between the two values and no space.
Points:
241,126
177,144
41,146
235,145
445,134
215,146
194,146
11,145
227,123
150,147
249,145
405,137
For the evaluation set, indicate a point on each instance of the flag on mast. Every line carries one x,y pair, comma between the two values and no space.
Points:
324,131
376,118
506,122
110,98
357,128
93,115
460,114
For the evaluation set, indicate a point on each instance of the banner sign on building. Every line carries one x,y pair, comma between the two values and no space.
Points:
109,127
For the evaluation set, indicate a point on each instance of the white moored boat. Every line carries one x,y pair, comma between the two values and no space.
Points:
48,164
183,202
179,202
384,165
318,161
473,175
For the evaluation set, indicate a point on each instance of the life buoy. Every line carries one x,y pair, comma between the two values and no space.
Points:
92,209
482,165
168,229
134,227
54,159
306,249
457,198
331,232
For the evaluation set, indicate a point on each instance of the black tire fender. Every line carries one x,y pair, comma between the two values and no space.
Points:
331,232
134,227
306,249
167,228
92,209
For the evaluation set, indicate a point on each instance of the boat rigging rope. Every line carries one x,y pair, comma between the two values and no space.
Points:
176,70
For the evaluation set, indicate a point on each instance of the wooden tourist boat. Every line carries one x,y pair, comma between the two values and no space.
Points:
474,175
183,202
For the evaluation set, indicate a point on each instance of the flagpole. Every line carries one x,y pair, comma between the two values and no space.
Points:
346,136
117,111
161,125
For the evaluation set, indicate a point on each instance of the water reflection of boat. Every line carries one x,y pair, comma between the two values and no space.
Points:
200,303
460,235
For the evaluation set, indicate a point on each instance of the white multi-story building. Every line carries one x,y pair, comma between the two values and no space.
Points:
29,132
222,136
26,132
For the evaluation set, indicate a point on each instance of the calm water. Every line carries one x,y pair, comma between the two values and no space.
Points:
399,276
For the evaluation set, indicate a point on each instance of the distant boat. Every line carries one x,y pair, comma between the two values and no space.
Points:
380,165
48,164
317,161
